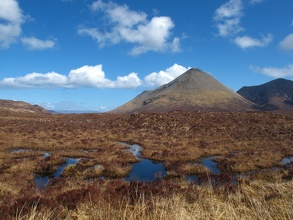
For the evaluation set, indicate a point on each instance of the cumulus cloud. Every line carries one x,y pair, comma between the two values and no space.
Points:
33,43
247,42
131,80
36,80
126,25
94,76
91,77
227,18
228,22
275,72
10,27
164,76
86,76
287,43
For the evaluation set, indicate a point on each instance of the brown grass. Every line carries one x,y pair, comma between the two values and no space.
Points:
258,200
243,142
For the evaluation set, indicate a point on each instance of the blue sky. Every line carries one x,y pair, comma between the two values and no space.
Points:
99,54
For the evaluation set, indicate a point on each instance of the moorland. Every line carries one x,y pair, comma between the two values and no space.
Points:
253,184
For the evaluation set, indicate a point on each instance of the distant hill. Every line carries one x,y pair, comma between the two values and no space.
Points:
20,107
274,95
73,111
194,90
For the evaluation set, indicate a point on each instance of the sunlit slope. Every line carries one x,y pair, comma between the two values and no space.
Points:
20,107
194,90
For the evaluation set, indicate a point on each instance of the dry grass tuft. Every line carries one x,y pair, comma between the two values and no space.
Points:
258,200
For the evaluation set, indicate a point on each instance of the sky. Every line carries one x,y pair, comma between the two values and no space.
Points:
95,55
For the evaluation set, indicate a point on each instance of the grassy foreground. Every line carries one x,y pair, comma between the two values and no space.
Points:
247,143
254,200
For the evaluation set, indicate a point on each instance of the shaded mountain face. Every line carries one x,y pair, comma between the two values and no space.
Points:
194,90
20,107
274,95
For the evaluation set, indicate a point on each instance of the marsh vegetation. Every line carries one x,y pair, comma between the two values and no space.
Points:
247,144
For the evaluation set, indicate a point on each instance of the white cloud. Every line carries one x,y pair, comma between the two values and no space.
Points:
131,80
252,2
33,43
275,72
10,29
126,25
91,77
164,76
227,18
73,107
102,108
86,76
94,76
119,13
287,43
247,42
175,45
37,80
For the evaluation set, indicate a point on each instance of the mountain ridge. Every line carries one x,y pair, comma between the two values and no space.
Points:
273,95
20,107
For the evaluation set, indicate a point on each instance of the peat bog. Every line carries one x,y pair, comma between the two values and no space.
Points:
81,159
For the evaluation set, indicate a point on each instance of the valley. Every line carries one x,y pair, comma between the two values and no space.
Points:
191,147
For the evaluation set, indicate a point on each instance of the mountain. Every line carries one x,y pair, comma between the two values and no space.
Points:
20,107
194,90
274,95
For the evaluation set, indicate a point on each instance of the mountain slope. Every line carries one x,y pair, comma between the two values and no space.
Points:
192,91
20,107
274,95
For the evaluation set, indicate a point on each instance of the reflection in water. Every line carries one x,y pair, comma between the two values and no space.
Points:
211,165
22,150
135,150
41,182
144,170
147,170
208,163
287,160
69,161
46,154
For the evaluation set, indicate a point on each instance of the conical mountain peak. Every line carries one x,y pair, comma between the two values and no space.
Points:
198,80
191,91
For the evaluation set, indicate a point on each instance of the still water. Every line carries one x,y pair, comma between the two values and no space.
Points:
144,170
42,181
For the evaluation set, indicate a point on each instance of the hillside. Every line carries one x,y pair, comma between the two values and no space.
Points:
274,95
194,90
20,107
